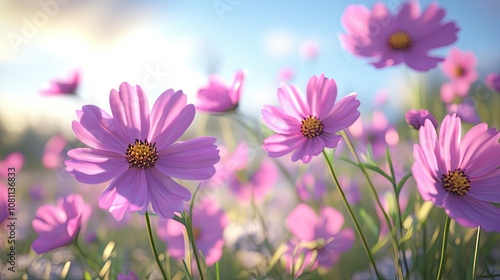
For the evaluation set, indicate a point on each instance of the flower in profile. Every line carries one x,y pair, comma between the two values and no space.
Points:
416,118
493,81
130,276
308,127
322,233
64,86
405,37
135,149
217,97
209,222
59,225
459,174
460,67
52,153
13,160
256,185
466,111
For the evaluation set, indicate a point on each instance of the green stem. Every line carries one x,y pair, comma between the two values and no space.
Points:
91,262
476,250
394,241
351,214
153,246
217,271
189,227
443,248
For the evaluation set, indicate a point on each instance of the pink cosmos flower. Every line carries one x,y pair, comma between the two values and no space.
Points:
460,67
458,174
493,81
52,157
322,233
405,37
416,118
4,203
308,127
229,164
375,134
217,97
64,86
309,49
286,74
13,160
130,276
466,111
209,222
59,225
136,150
256,185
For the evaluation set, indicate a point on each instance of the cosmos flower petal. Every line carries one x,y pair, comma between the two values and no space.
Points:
321,95
278,121
470,212
344,113
330,221
430,188
310,148
485,188
172,233
167,196
449,141
177,160
95,166
302,221
291,102
477,144
278,145
130,110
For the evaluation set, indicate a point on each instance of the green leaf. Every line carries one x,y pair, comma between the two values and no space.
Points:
369,222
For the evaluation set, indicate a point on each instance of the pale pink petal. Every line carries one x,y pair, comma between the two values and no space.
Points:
329,223
167,196
278,145
172,233
291,102
301,222
278,121
470,212
450,133
344,114
321,95
95,166
310,148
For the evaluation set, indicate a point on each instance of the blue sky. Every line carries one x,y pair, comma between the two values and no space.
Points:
183,41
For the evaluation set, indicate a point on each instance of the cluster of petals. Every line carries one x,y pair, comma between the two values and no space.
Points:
405,37
209,222
307,127
116,145
416,118
459,174
217,97
460,67
59,225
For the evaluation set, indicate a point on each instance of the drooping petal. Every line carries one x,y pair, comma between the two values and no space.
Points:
167,196
93,166
130,110
310,148
192,159
470,212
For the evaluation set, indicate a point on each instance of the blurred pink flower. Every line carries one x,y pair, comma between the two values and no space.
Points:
136,150
322,233
130,276
13,160
59,225
309,49
52,153
299,259
64,86
374,134
465,110
229,165
416,118
311,187
307,128
286,74
217,97
209,222
256,185
405,37
493,81
460,67
458,174
4,202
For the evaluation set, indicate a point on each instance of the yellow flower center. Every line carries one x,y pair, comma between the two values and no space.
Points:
311,127
141,154
400,41
459,71
456,182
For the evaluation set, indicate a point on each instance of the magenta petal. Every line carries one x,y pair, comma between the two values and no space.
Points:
130,110
170,118
321,95
486,188
167,196
302,221
330,222
192,159
95,166
344,114
472,213
310,148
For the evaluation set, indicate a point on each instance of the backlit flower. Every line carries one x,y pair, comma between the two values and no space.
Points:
217,97
255,185
63,86
460,67
52,153
405,37
308,127
416,118
135,149
322,233
209,222
59,225
459,174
